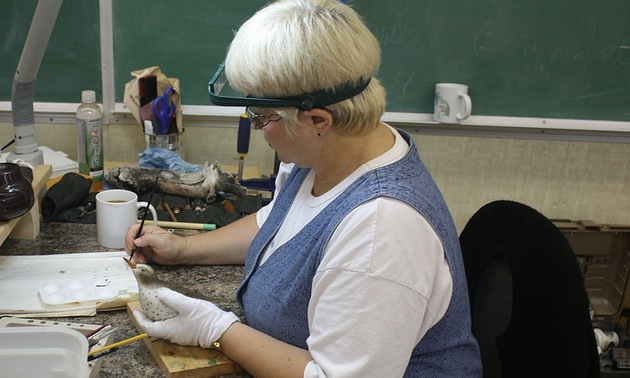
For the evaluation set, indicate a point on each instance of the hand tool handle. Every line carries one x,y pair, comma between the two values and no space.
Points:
242,142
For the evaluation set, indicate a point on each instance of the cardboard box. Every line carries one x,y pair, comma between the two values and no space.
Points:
603,253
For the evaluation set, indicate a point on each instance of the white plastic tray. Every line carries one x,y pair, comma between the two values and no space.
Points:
44,352
81,291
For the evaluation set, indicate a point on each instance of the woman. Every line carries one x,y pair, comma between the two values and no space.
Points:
354,268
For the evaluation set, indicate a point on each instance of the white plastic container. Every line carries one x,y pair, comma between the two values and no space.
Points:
43,352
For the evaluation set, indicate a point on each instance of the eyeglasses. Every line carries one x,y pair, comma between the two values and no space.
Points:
260,120
308,101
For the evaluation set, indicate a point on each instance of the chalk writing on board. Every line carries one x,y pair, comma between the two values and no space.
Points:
513,42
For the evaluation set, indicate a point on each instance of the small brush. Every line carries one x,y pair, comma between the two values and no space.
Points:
96,353
144,217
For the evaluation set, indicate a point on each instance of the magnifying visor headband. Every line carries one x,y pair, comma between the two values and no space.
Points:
308,101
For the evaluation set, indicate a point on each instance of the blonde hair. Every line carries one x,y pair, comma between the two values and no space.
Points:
293,47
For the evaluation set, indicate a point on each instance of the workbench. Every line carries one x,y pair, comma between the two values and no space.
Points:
134,359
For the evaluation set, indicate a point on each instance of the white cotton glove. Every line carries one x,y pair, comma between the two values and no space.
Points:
199,322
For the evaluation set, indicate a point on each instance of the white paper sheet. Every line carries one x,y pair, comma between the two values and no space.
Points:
22,276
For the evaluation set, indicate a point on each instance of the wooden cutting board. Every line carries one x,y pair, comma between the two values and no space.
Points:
184,361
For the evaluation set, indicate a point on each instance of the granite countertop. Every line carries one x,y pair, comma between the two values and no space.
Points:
134,359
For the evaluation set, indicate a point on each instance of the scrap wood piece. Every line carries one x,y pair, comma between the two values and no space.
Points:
203,184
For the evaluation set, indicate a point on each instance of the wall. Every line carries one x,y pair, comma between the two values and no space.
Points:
561,179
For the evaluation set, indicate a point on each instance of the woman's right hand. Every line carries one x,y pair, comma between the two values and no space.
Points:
154,244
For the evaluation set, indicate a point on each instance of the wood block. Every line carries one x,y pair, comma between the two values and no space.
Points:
27,226
184,361
7,227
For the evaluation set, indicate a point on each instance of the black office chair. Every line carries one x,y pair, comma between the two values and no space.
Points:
530,311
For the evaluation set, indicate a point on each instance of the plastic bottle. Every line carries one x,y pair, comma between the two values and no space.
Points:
90,139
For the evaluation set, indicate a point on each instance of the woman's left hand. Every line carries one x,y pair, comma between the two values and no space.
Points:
199,322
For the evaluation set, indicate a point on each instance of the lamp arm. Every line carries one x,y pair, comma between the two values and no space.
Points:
23,90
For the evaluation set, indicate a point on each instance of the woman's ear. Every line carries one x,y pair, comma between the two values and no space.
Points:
320,119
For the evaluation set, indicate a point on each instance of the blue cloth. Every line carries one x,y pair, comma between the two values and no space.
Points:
275,295
166,159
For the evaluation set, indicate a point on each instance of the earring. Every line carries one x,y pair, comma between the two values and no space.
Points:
319,133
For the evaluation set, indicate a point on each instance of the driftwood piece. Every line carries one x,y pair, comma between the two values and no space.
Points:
204,184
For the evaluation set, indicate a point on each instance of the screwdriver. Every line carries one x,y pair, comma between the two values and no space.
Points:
242,142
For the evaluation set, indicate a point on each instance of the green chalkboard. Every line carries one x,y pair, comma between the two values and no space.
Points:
186,39
535,58
71,62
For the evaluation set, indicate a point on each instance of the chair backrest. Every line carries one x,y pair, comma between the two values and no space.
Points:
529,307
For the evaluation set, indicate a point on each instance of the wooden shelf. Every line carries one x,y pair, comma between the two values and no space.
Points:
27,226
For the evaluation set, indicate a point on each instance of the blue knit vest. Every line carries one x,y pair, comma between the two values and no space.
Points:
276,294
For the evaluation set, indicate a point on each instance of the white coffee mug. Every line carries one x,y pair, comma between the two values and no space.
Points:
452,103
116,210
